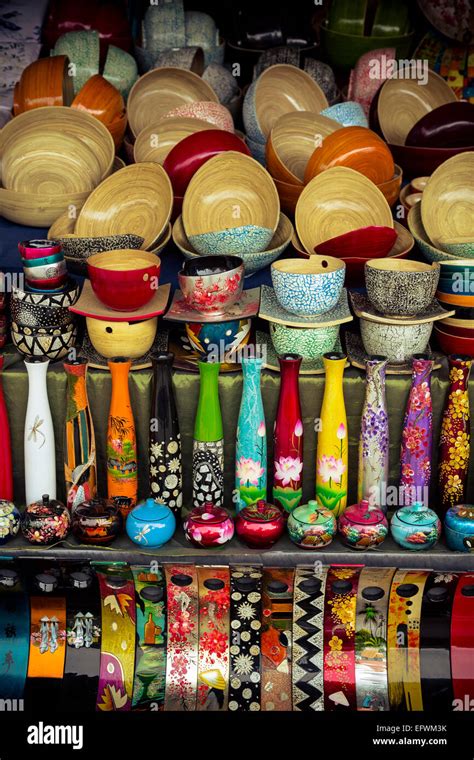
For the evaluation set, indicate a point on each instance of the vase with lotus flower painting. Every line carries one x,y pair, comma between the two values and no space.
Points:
374,441
417,435
251,444
288,436
332,448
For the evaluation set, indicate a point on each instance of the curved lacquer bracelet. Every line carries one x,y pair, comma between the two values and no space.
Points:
182,654
150,656
245,635
308,638
277,617
214,630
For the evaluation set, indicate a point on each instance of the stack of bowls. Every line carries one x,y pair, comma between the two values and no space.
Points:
169,28
44,266
456,289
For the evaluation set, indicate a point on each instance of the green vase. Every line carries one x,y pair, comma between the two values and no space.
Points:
208,445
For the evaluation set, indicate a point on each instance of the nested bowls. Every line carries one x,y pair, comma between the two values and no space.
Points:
130,339
308,342
447,204
155,141
52,347
397,342
45,82
231,205
308,286
124,280
454,344
212,284
401,288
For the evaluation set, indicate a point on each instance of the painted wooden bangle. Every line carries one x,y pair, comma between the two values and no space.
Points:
182,653
435,641
277,614
462,643
14,633
245,638
83,634
214,630
403,639
308,638
117,656
339,638
150,656
371,670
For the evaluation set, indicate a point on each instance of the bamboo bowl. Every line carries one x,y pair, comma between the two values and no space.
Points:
130,339
35,210
447,203
100,99
288,194
159,91
137,199
155,141
45,82
214,113
231,205
337,201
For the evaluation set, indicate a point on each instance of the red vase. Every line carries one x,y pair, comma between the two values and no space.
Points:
288,437
455,435
6,471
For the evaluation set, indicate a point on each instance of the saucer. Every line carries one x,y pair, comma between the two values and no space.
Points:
88,305
363,308
358,357
245,307
271,311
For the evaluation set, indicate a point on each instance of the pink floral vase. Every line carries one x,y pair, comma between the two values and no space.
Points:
417,435
288,437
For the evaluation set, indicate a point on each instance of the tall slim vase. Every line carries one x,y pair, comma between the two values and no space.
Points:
6,470
122,474
333,445
208,445
288,436
79,439
166,475
417,435
374,436
455,439
251,445
39,447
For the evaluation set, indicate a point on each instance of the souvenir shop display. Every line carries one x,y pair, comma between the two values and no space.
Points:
150,524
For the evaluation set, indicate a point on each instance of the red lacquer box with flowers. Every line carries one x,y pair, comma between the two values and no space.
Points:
260,525
208,526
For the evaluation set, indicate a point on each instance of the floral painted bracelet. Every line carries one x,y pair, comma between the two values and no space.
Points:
308,638
339,638
14,633
435,641
403,639
277,614
371,671
83,629
245,635
214,622
462,643
150,656
117,656
182,652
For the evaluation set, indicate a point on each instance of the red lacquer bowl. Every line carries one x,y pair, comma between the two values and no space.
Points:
450,125
421,162
457,332
367,242
124,280
260,525
187,156
453,344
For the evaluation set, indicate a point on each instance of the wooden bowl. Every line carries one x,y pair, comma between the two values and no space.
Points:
62,121
158,245
117,129
159,91
450,125
130,339
454,299
214,113
124,280
35,210
228,182
447,204
454,344
45,82
308,286
417,162
137,199
399,288
403,102
292,141
99,98
278,90
391,188
62,226
155,141
337,201
289,195
357,148
368,242
429,251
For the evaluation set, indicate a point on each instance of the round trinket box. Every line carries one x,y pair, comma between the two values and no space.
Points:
260,525
311,526
46,521
415,527
96,521
208,526
9,521
150,524
362,527
459,528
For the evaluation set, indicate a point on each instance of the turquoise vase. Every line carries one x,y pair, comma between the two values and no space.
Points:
251,446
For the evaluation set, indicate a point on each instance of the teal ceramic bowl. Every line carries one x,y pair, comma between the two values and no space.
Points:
348,113
344,50
249,115
308,342
234,240
120,70
415,225
83,50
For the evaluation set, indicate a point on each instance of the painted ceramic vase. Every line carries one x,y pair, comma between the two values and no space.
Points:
6,470
362,526
79,439
312,526
45,521
150,525
9,521
208,526
415,527
459,528
166,473
374,436
417,435
39,446
333,444
122,476
455,435
208,444
251,446
288,436
260,525
97,521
